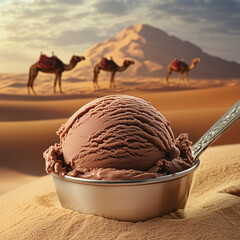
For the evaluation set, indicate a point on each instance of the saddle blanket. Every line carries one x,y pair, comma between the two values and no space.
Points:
46,62
106,63
176,64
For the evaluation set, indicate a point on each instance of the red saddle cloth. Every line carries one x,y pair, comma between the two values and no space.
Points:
105,62
46,62
176,64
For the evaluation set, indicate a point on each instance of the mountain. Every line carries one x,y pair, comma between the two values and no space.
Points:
152,50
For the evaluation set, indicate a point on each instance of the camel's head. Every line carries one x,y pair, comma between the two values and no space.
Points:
77,59
128,62
196,60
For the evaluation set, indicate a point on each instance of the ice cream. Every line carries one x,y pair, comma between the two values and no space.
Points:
118,137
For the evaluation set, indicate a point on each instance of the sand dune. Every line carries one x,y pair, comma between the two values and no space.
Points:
212,211
28,126
28,123
82,86
23,107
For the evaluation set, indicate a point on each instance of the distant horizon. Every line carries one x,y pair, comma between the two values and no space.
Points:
29,27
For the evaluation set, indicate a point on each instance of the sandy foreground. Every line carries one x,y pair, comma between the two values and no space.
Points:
28,202
32,211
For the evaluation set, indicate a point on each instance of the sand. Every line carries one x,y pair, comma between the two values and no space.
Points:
212,212
28,201
28,124
11,179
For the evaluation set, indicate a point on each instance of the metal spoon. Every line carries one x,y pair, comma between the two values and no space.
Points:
227,120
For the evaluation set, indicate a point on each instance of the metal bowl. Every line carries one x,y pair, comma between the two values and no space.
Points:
135,200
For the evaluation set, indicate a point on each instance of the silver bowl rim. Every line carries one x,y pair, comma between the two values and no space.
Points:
164,178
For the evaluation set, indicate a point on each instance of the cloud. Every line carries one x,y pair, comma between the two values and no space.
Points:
116,7
40,10
55,2
56,19
210,15
66,2
32,21
69,37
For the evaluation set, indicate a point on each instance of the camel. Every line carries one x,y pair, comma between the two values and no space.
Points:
109,66
54,65
181,67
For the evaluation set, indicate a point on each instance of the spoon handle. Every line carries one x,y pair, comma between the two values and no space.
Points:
228,119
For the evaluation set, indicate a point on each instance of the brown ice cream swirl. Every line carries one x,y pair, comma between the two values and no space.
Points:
119,133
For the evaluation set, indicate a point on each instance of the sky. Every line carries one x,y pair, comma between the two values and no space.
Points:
67,27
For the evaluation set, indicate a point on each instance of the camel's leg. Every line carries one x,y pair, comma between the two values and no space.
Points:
169,72
95,83
33,72
55,82
33,90
112,80
29,81
96,71
187,78
60,82
180,78
96,86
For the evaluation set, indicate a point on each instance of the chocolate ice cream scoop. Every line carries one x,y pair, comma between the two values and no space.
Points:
118,137
138,199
